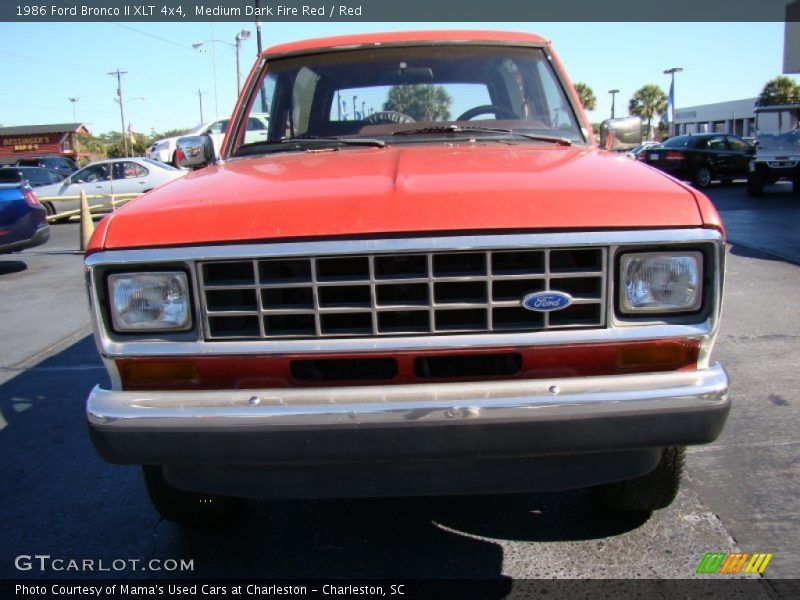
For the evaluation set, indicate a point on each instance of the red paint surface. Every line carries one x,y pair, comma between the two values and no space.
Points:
412,189
403,36
253,372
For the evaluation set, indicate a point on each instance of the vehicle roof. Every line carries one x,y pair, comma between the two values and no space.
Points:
25,168
37,156
399,37
109,160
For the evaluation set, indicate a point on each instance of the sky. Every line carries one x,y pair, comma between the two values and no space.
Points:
45,64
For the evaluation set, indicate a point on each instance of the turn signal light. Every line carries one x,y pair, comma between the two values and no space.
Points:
142,375
658,356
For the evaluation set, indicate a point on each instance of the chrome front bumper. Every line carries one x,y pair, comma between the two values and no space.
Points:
407,423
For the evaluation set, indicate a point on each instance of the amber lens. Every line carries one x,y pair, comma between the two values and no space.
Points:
658,356
138,374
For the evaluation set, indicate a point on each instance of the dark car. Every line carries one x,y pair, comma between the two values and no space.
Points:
702,158
23,220
61,164
35,176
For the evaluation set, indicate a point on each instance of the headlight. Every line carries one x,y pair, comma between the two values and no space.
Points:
661,282
149,301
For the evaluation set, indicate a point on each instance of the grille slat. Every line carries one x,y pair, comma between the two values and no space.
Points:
369,295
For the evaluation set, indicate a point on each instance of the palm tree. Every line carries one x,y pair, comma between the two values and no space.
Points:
586,95
422,102
780,90
648,101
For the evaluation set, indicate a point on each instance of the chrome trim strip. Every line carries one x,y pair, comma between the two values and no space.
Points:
408,405
389,245
426,342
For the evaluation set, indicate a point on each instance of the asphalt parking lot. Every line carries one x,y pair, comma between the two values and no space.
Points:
742,493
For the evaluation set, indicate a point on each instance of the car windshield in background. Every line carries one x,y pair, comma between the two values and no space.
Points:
10,176
781,141
681,141
428,93
158,164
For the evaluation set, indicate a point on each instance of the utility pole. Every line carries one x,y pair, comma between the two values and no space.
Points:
118,99
200,97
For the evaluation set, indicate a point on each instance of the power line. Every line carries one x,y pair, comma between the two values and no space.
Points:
152,35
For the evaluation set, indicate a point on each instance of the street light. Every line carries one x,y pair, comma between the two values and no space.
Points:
613,96
240,37
73,100
671,98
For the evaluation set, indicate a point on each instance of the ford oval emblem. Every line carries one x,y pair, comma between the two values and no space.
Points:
546,301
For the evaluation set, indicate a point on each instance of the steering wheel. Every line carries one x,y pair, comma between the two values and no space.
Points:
388,116
485,109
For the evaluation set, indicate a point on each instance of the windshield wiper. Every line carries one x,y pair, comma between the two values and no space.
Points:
458,129
350,141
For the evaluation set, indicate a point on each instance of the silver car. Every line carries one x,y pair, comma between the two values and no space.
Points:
106,177
256,131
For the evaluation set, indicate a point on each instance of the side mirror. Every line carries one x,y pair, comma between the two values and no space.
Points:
194,152
621,134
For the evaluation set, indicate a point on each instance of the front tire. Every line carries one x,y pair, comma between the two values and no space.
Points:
755,184
649,492
188,508
702,177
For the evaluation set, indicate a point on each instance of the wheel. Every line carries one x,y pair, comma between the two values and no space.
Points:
48,206
755,184
498,111
188,508
388,116
702,177
649,492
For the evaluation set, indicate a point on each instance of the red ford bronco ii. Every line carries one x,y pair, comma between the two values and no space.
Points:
425,277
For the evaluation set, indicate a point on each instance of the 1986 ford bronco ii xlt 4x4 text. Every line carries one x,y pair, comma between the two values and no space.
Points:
427,279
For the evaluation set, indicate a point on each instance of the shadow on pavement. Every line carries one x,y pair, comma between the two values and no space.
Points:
61,499
746,252
7,267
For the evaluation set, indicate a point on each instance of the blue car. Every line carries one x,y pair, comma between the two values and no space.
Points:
23,219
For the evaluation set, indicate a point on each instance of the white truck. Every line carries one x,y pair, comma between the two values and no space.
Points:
777,154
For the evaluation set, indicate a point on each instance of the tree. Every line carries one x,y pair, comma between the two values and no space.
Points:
648,101
780,90
421,102
586,95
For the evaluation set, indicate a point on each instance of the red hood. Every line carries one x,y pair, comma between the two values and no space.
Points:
400,190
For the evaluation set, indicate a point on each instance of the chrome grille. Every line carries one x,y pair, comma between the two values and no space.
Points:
400,294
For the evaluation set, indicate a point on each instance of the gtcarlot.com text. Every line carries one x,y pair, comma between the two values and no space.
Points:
43,563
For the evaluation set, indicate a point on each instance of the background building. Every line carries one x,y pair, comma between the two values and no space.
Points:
736,117
36,140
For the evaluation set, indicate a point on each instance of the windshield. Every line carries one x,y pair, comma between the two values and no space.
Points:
778,130
430,93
